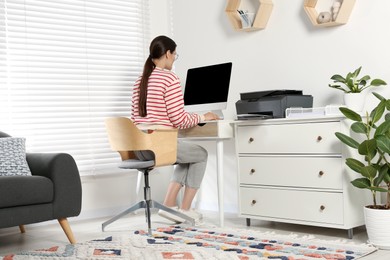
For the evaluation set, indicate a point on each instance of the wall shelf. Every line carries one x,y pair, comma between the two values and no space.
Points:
342,17
261,18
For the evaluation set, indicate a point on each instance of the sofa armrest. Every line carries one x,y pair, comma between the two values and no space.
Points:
61,168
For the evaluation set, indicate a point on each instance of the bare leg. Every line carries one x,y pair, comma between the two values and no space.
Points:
189,194
170,197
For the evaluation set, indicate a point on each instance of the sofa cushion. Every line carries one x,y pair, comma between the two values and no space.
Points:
13,157
25,190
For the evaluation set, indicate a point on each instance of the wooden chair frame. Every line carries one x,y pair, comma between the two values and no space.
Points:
125,138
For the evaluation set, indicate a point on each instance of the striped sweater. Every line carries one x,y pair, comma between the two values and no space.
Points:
165,104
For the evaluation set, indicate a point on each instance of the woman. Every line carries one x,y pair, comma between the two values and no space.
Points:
157,102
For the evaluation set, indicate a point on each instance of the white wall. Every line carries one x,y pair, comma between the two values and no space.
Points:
289,54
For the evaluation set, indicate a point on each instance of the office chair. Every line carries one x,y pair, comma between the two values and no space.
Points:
126,138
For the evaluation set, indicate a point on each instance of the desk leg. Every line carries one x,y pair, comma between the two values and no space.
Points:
220,181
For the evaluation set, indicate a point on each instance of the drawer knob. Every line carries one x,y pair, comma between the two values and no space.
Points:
251,139
253,171
322,207
319,138
321,173
253,202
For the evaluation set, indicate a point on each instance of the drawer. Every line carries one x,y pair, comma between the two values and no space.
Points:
290,138
323,207
309,172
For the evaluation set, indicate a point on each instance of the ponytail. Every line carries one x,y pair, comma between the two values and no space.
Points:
158,47
143,87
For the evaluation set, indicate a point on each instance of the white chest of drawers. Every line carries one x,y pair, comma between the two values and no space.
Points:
293,170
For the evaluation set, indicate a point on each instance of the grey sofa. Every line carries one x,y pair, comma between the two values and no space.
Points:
52,192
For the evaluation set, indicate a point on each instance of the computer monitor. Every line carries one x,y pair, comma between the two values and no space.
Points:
207,88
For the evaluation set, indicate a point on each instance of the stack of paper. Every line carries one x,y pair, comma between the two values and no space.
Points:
300,112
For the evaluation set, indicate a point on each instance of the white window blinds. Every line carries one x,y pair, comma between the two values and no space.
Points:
65,66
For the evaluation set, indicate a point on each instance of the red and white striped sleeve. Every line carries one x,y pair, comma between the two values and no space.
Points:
175,107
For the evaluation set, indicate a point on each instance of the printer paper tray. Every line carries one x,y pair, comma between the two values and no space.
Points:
252,116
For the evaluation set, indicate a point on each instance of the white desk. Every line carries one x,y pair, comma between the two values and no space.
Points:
217,131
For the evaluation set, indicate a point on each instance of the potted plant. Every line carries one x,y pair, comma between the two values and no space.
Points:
372,162
352,86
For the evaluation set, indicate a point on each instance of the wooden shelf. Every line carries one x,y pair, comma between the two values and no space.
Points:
342,17
261,18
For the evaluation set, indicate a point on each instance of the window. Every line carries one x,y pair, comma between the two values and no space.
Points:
65,66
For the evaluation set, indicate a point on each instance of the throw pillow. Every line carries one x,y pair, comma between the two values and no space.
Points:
13,157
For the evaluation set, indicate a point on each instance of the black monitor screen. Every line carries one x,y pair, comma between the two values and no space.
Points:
209,84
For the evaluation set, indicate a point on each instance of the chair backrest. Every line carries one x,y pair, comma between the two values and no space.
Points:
125,138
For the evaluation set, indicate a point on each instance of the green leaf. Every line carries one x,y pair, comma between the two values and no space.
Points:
383,143
378,96
387,117
368,147
349,76
383,128
338,87
348,113
387,177
365,78
388,104
383,171
367,159
351,85
359,127
378,189
356,72
354,164
378,111
369,171
338,78
362,83
347,140
361,183
378,82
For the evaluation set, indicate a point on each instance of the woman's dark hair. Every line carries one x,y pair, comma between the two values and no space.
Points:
158,47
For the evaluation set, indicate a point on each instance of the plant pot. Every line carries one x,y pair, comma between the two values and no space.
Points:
378,227
355,101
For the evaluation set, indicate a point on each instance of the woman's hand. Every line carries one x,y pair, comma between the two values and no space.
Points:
210,116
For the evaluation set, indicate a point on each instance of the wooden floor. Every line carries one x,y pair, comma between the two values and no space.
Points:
50,234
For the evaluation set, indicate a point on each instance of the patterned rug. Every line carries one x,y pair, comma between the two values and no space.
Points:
180,242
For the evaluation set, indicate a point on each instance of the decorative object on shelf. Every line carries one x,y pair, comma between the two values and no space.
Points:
341,10
373,165
324,17
353,88
259,18
247,18
335,10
